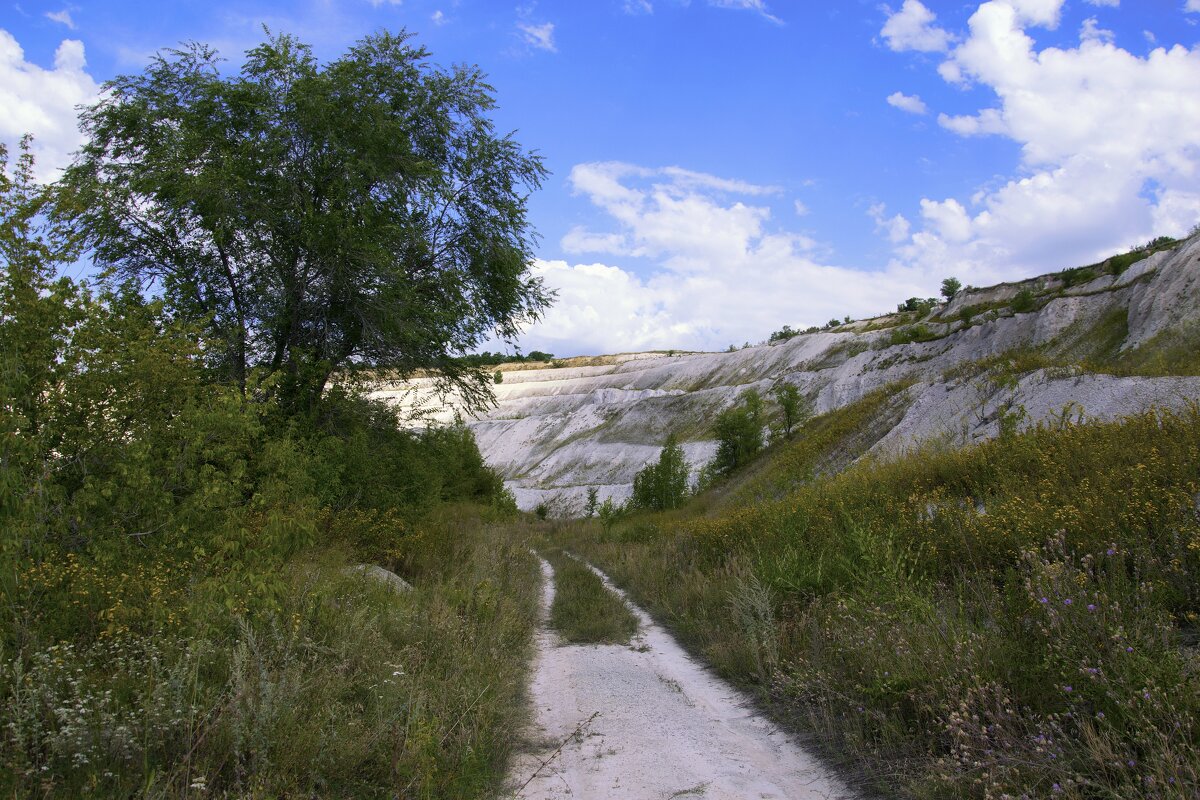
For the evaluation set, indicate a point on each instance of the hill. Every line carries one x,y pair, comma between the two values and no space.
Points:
1094,343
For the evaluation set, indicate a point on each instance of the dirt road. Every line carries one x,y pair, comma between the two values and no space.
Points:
660,727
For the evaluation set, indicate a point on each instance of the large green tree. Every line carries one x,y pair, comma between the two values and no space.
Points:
316,217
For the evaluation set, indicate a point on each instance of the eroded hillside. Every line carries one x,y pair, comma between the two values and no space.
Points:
1098,343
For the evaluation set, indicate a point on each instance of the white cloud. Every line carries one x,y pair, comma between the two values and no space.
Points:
540,37
43,101
722,271
913,104
987,121
438,18
1091,31
757,6
913,28
1192,6
1109,3
897,227
638,7
62,17
801,209
1110,148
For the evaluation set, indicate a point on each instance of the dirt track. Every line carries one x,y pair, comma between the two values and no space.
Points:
660,727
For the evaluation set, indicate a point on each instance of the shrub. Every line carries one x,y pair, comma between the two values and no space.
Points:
662,485
1024,301
739,432
950,287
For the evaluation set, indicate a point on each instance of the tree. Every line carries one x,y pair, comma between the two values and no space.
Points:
662,485
792,404
363,213
950,287
739,432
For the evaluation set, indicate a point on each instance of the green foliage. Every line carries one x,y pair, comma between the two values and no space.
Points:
593,502
957,623
950,287
497,377
739,432
173,614
783,334
1024,301
662,485
486,358
361,213
911,333
792,405
917,305
584,611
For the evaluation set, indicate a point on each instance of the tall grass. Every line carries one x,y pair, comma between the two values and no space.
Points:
584,611
1015,619
346,689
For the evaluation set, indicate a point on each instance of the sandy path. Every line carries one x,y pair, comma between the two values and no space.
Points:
666,727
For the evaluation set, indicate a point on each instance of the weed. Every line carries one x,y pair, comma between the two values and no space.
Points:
584,611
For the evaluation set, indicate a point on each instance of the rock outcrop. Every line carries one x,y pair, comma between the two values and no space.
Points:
556,432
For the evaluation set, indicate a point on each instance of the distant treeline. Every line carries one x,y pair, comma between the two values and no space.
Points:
486,359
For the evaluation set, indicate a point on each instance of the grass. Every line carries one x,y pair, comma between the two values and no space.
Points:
345,689
584,611
1017,618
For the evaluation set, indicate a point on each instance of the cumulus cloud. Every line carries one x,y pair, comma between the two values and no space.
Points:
1192,6
1091,31
1109,3
896,227
913,104
721,270
1110,148
913,28
638,7
43,101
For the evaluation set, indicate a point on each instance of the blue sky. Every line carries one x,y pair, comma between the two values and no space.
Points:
722,167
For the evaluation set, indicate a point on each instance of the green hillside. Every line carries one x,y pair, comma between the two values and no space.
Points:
1017,618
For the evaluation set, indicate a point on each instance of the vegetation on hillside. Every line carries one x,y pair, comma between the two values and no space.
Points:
183,493
1014,619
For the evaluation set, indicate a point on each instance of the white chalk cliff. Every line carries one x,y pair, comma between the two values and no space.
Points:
555,432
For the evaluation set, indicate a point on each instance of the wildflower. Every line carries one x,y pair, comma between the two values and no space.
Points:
1067,602
1044,600
1091,606
1067,688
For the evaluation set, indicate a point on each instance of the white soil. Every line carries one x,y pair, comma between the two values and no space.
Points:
666,728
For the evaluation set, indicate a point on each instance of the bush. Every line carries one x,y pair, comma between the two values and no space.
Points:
1024,301
739,432
662,485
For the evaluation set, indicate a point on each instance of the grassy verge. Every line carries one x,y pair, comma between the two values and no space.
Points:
1015,619
584,611
340,688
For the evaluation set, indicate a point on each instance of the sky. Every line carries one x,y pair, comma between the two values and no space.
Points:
720,168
